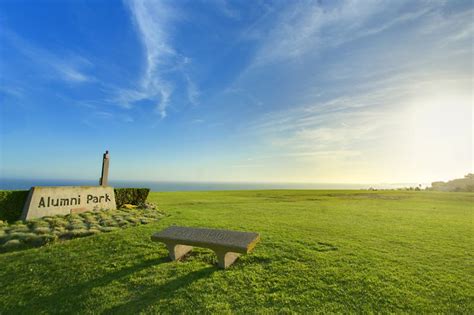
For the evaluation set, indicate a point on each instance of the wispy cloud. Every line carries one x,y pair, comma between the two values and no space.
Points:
310,27
308,132
153,20
371,85
164,72
71,74
454,27
226,8
244,95
192,91
15,91
68,66
341,126
375,128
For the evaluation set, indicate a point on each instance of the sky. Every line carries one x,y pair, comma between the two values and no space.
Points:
237,91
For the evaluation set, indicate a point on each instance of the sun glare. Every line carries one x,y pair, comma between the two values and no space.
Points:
438,128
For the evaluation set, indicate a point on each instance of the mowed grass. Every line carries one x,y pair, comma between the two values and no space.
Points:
321,251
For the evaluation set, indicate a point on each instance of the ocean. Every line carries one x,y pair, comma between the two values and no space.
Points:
24,184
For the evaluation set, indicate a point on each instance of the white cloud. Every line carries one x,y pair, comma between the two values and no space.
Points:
12,90
153,20
68,66
399,129
226,8
339,126
297,30
309,27
69,73
192,91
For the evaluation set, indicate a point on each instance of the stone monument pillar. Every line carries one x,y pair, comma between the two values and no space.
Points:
104,179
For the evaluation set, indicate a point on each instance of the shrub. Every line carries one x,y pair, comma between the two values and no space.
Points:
134,196
42,230
131,219
12,244
4,238
21,228
59,230
11,204
94,231
56,221
107,228
41,240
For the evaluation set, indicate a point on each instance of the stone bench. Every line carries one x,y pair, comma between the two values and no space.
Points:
228,245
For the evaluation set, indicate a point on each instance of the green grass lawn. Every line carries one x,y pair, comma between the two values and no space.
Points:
321,251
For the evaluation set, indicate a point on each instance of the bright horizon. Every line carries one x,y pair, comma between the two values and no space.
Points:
221,91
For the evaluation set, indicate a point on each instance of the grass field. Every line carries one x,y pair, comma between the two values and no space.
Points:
321,251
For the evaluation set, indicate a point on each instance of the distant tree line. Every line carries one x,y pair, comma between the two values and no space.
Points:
465,184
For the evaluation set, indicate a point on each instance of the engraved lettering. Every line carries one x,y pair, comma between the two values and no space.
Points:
53,203
92,198
62,200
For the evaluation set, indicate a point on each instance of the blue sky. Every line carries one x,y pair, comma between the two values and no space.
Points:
257,91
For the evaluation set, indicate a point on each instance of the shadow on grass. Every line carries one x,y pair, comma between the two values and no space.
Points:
317,246
68,298
156,293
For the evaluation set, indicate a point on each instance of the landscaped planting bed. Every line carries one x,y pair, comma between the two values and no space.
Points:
38,232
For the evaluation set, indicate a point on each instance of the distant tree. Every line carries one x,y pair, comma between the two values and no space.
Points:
465,184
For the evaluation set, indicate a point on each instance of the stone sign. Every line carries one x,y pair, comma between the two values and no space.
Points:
45,201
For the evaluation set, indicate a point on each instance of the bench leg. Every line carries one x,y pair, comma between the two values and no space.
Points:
225,259
177,251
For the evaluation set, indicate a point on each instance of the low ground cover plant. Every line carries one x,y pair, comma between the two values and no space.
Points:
38,232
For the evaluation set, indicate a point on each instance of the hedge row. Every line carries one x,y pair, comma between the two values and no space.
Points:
11,204
134,196
12,201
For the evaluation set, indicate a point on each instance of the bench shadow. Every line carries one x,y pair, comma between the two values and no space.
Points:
75,292
318,246
258,260
156,293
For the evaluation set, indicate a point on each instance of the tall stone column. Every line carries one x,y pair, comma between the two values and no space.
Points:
104,179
